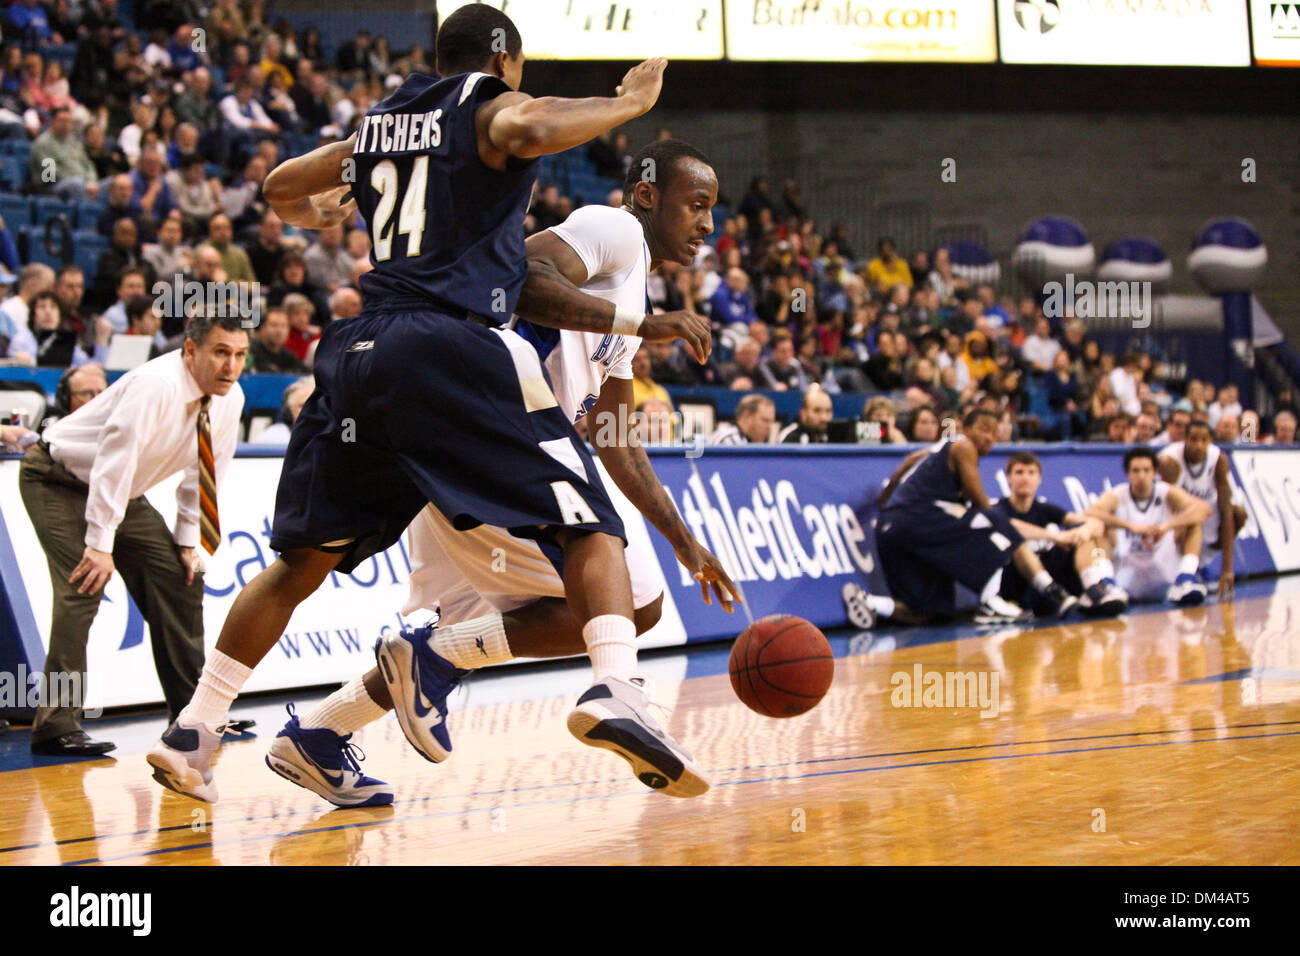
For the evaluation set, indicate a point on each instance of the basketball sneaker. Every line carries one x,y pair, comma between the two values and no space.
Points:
998,610
419,680
327,764
1186,591
182,759
613,715
857,609
1059,601
1104,599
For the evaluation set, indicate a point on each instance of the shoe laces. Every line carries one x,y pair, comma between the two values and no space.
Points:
647,687
352,754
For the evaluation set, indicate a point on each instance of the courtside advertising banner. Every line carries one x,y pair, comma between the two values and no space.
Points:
791,525
1125,32
1275,32
959,31
601,30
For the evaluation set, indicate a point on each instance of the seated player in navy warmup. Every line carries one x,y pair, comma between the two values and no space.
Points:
936,529
1066,543
425,398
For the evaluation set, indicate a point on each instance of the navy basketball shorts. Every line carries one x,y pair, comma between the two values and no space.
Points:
1058,562
927,550
420,407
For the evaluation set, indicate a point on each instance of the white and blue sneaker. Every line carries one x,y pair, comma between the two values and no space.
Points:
182,759
613,715
1186,591
419,681
321,761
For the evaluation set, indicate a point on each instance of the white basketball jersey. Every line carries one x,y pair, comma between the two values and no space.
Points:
612,246
1199,482
1154,510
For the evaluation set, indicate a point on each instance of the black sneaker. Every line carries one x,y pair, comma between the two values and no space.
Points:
4,725
1104,599
1061,601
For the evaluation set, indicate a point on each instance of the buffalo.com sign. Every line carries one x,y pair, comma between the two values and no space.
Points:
1125,32
861,30
602,30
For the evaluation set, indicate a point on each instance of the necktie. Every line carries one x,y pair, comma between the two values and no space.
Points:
209,525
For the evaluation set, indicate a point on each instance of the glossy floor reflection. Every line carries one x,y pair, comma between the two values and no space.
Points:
1162,737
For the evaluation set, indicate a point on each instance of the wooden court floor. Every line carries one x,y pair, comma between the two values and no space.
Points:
1164,737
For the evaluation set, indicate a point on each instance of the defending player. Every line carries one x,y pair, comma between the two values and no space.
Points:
936,529
424,398
500,595
1201,468
1065,542
1154,534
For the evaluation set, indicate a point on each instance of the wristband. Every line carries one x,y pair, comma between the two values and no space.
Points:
627,322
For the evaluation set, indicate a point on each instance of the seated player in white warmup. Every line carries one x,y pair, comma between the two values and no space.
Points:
501,596
1201,468
1153,534
937,529
1065,542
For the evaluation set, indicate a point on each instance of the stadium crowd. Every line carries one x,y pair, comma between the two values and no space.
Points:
142,148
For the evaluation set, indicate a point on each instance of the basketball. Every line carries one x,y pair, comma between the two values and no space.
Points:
781,666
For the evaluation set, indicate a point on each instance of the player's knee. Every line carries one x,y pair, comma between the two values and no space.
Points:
648,616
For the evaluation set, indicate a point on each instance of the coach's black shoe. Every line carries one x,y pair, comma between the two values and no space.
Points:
4,726
1060,601
75,744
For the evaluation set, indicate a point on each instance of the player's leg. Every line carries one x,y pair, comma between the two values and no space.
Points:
918,592
1102,597
1049,593
1186,589
973,549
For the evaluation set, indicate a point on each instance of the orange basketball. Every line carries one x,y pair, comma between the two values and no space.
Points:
781,666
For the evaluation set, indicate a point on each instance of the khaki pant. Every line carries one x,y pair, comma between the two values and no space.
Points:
148,560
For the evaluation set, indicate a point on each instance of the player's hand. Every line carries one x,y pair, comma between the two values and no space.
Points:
96,567
191,561
686,325
1227,585
331,208
706,569
643,82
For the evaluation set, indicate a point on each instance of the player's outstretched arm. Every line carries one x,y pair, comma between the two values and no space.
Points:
898,474
611,425
966,462
515,124
1104,511
309,191
551,297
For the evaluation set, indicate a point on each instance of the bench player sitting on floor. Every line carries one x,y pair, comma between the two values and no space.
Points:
1064,541
1200,467
1153,540
936,529
501,596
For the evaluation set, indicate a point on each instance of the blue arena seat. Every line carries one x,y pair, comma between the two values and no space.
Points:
36,251
87,214
45,208
13,174
16,210
87,247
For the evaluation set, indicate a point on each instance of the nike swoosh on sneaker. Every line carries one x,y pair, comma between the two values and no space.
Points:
334,780
422,704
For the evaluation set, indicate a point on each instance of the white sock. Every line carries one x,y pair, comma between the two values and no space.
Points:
1098,571
1189,564
219,685
345,711
611,644
1042,581
992,588
883,606
473,644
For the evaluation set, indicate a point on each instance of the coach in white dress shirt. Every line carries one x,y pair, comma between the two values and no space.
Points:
84,486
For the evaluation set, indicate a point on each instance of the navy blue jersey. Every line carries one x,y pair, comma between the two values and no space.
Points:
1042,514
445,229
929,480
